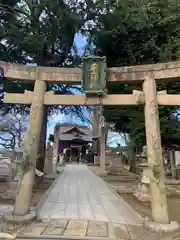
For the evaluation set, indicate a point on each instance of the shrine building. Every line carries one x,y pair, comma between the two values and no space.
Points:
75,138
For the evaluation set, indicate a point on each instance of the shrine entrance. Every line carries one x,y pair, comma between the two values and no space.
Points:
94,75
75,153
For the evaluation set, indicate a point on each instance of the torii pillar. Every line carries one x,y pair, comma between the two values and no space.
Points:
154,152
31,145
55,149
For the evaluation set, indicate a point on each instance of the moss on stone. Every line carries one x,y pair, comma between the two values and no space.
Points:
157,172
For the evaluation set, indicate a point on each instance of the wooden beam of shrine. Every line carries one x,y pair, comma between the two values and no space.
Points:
18,98
170,70
17,71
78,100
168,99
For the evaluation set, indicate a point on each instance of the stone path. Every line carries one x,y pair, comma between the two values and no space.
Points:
82,206
80,194
4,208
86,230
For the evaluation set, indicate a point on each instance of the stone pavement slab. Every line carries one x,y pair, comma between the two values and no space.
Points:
87,230
97,229
80,194
53,231
4,208
76,228
58,223
35,229
118,231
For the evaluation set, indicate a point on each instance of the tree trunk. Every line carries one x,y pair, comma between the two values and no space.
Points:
12,166
40,163
172,161
103,149
133,162
106,130
24,194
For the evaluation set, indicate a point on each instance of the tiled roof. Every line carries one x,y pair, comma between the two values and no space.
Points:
65,127
66,132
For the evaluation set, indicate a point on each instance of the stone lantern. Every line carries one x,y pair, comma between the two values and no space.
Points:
143,188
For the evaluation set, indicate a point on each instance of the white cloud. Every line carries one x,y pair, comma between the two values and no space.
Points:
52,121
114,139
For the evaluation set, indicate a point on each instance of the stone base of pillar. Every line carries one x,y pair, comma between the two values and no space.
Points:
10,218
164,228
102,173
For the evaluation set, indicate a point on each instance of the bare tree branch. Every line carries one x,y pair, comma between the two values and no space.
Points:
14,135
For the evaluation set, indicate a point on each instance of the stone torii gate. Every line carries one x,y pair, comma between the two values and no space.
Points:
149,97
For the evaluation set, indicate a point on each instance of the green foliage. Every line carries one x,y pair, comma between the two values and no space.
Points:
127,32
156,172
141,32
41,33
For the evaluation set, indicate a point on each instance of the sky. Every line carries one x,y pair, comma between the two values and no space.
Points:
113,138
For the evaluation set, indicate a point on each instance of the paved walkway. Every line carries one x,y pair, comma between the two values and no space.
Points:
4,208
81,229
79,194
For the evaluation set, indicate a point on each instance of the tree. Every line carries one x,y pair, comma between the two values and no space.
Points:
132,33
13,134
40,33
138,32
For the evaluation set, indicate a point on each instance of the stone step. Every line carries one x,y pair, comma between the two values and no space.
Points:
49,237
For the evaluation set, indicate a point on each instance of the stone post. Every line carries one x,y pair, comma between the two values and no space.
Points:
154,152
23,197
55,149
61,159
42,143
95,128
